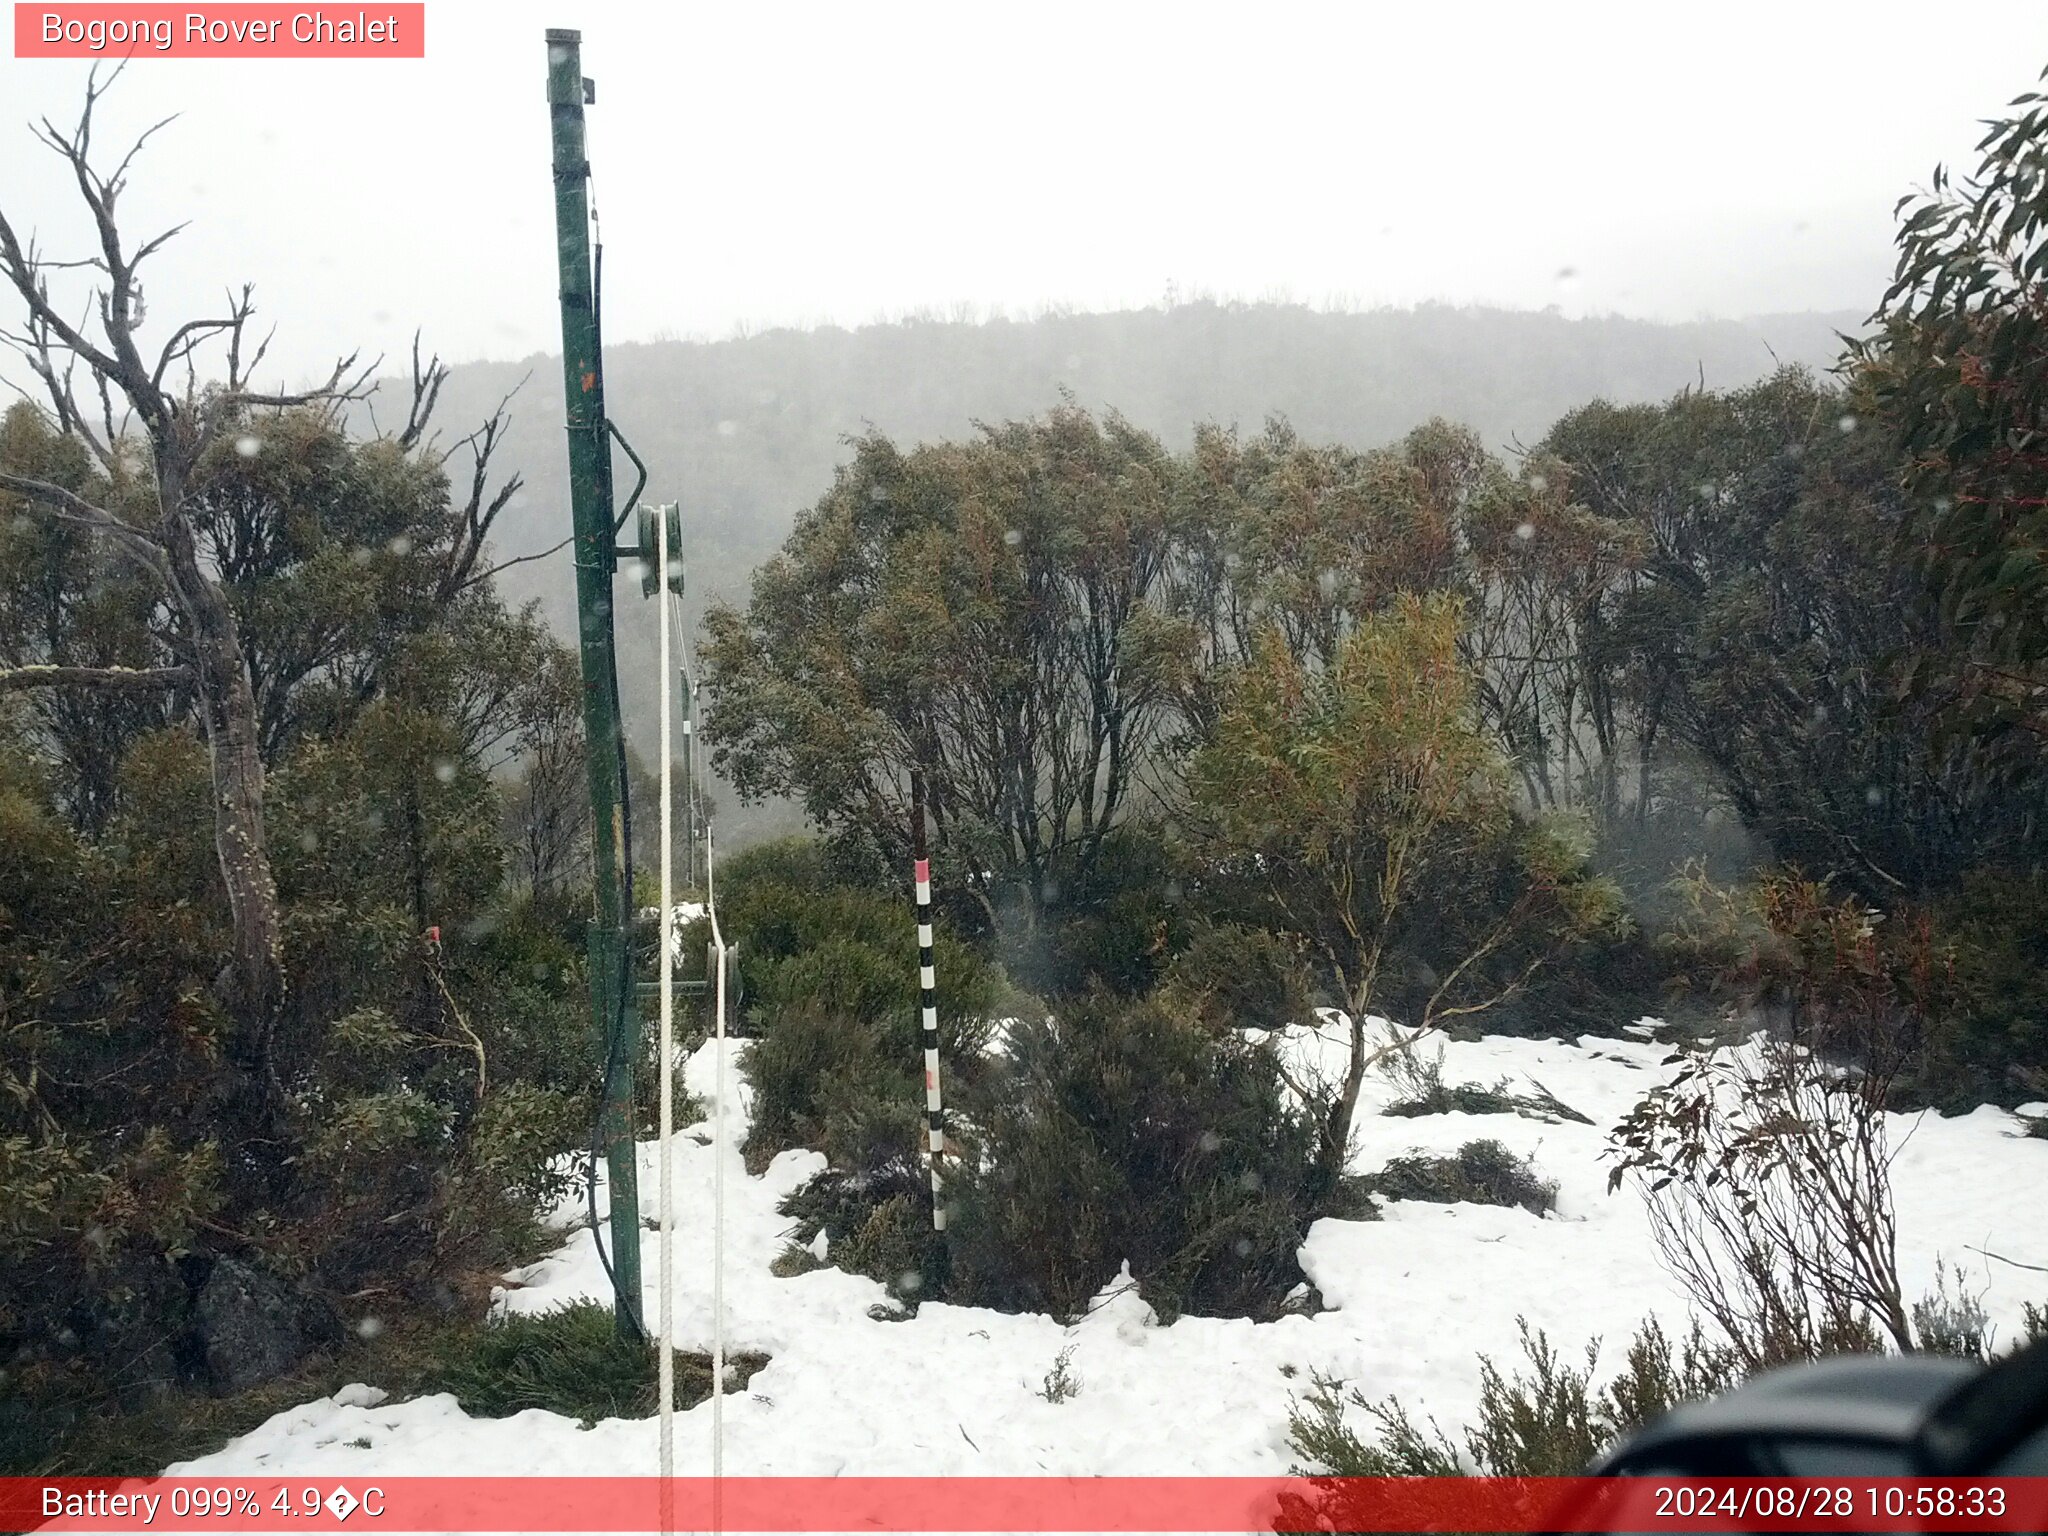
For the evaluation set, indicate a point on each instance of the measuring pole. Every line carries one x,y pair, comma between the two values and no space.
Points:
927,992
614,1014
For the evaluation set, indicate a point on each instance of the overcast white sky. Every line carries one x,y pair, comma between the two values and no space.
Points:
773,164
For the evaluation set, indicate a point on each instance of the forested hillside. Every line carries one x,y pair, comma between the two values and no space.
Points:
747,431
1305,729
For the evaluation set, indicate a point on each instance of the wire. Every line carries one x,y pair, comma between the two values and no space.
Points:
666,967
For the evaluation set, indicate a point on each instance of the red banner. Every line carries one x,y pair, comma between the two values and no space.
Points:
977,1504
234,31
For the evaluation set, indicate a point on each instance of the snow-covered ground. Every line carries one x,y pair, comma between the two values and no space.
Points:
1414,1299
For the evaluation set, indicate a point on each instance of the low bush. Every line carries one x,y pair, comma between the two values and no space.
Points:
2033,1329
876,1223
833,996
570,1361
1951,1319
1123,1131
1238,977
1480,1173
1547,1421
1420,1079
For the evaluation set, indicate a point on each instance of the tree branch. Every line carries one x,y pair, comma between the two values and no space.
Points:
137,678
67,506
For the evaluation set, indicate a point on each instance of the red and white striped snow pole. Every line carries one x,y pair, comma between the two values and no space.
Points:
928,995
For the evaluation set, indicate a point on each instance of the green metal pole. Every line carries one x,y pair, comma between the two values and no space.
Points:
614,1016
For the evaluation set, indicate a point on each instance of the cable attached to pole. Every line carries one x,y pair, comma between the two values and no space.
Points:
718,1160
666,972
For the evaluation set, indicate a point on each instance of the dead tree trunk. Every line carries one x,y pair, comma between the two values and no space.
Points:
181,421
228,717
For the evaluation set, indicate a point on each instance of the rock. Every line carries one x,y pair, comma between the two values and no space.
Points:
251,1325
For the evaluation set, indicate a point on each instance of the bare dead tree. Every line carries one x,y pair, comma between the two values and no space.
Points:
179,419
479,509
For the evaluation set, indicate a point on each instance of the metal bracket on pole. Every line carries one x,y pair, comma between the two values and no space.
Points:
648,554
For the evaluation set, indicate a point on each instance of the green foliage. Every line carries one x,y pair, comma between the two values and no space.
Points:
1124,1132
1951,1320
831,975
1367,813
1236,976
1957,373
423,1094
891,1244
1119,923
877,1223
1771,634
1991,1043
1550,1421
2033,1330
570,1361
985,611
1481,1173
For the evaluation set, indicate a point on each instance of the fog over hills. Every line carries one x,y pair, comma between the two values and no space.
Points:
746,432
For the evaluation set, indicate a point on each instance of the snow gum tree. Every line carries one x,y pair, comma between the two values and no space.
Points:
1363,804
987,612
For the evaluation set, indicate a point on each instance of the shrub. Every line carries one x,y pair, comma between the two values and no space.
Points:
1766,1168
1420,1079
794,1260
1480,1173
1122,1131
817,1068
1991,1046
1115,927
1952,1321
1549,1421
833,993
878,1224
1239,977
569,1361
1061,1384
1655,1380
2033,1329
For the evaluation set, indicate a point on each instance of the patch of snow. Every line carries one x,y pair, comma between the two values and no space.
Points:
1413,1299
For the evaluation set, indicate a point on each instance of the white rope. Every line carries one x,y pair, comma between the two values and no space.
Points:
672,612
717,1196
671,617
668,1068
